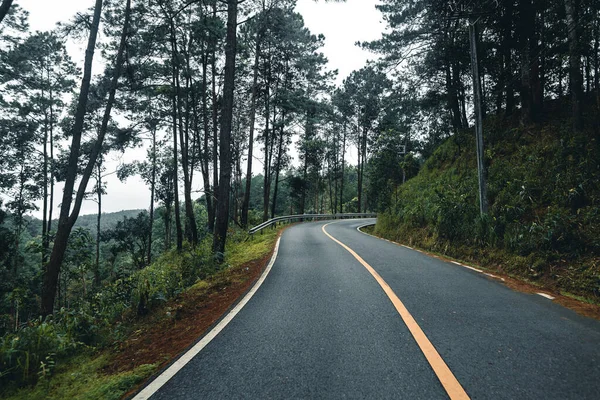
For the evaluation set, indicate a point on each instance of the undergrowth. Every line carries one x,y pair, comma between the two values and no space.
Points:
544,197
82,377
65,355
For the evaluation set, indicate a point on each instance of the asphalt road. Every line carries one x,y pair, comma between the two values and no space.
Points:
322,327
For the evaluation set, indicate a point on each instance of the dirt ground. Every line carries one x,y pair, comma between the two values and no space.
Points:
175,327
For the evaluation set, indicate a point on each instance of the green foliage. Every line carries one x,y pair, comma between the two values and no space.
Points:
544,200
244,249
131,235
83,377
30,352
171,274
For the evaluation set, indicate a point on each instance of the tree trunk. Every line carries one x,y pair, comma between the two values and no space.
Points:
179,231
336,169
330,185
45,233
575,77
191,232
167,216
537,71
304,186
152,195
222,217
238,185
51,203
362,150
463,108
18,217
205,161
278,167
246,202
343,170
175,115
4,8
66,221
268,153
98,221
529,63
52,269
215,143
359,176
507,45
189,160
452,97
453,106
597,63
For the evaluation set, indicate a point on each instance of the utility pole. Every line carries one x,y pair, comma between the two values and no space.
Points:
481,170
474,12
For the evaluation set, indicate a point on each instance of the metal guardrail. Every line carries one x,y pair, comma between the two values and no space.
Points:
312,217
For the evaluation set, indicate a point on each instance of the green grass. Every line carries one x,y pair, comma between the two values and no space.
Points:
579,298
544,220
83,378
251,248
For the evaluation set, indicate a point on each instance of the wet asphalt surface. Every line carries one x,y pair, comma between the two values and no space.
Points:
320,327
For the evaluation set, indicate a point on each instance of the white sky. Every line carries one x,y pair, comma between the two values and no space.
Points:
343,24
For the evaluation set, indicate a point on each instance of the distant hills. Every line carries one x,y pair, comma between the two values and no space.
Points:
108,220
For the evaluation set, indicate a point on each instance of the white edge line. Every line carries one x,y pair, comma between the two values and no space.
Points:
471,268
453,262
362,226
163,378
494,276
547,296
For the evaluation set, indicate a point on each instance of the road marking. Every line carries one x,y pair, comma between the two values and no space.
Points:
547,296
163,378
446,377
363,225
387,240
494,276
453,262
471,268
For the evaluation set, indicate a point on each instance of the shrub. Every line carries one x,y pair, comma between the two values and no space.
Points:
32,349
170,274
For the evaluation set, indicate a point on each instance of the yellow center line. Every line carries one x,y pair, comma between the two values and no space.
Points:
446,377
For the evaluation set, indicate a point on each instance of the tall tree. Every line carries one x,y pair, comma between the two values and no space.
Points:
67,216
39,83
261,23
222,214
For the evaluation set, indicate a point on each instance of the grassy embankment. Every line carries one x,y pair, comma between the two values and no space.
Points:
544,196
138,347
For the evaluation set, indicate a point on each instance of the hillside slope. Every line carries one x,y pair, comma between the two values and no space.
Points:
544,195
88,221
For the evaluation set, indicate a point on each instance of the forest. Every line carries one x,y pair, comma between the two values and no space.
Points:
241,120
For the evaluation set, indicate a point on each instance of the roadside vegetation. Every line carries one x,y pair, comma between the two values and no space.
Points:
544,195
132,328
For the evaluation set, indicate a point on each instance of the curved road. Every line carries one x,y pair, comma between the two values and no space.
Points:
321,326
